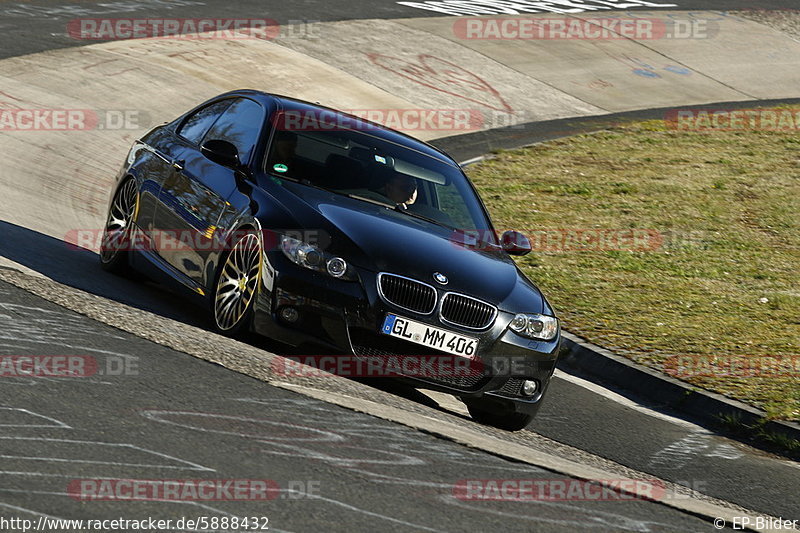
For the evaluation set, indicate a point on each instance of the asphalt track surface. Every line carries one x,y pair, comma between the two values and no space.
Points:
359,490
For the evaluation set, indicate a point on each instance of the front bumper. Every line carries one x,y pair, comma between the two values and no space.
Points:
343,317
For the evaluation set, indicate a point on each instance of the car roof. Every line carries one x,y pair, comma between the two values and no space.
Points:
377,130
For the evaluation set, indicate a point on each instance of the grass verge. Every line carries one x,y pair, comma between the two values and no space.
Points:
697,271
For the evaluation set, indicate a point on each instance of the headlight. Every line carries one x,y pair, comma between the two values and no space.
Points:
535,326
311,257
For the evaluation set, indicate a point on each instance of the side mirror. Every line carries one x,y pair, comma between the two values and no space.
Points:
515,243
222,153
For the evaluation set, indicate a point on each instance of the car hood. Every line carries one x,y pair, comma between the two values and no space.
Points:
383,240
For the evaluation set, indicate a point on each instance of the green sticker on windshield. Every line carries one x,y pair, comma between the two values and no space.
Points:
280,168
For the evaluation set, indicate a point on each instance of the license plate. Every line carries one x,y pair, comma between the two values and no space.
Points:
439,339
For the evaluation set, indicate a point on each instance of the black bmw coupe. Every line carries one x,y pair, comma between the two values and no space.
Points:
327,232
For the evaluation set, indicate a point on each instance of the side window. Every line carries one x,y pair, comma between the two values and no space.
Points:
240,125
198,124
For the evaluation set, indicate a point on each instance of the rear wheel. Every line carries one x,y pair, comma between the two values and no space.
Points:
507,421
116,235
237,285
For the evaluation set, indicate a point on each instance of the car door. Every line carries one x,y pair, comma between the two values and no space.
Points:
196,194
167,148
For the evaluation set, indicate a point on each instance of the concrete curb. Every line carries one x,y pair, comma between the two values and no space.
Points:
473,146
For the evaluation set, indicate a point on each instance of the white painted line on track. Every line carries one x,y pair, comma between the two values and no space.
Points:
57,424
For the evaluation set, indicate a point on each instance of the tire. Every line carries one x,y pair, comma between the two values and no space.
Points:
236,286
507,421
114,257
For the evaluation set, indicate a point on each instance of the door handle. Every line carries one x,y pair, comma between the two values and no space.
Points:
178,165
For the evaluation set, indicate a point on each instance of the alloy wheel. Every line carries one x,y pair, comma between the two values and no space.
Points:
237,282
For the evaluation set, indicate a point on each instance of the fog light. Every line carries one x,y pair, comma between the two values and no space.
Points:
289,314
337,267
529,387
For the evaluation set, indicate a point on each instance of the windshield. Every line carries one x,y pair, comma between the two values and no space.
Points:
363,166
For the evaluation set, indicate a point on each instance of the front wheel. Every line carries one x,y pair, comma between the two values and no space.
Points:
237,286
119,224
507,421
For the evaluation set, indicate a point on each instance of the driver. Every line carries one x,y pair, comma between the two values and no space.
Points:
400,189
397,189
285,147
